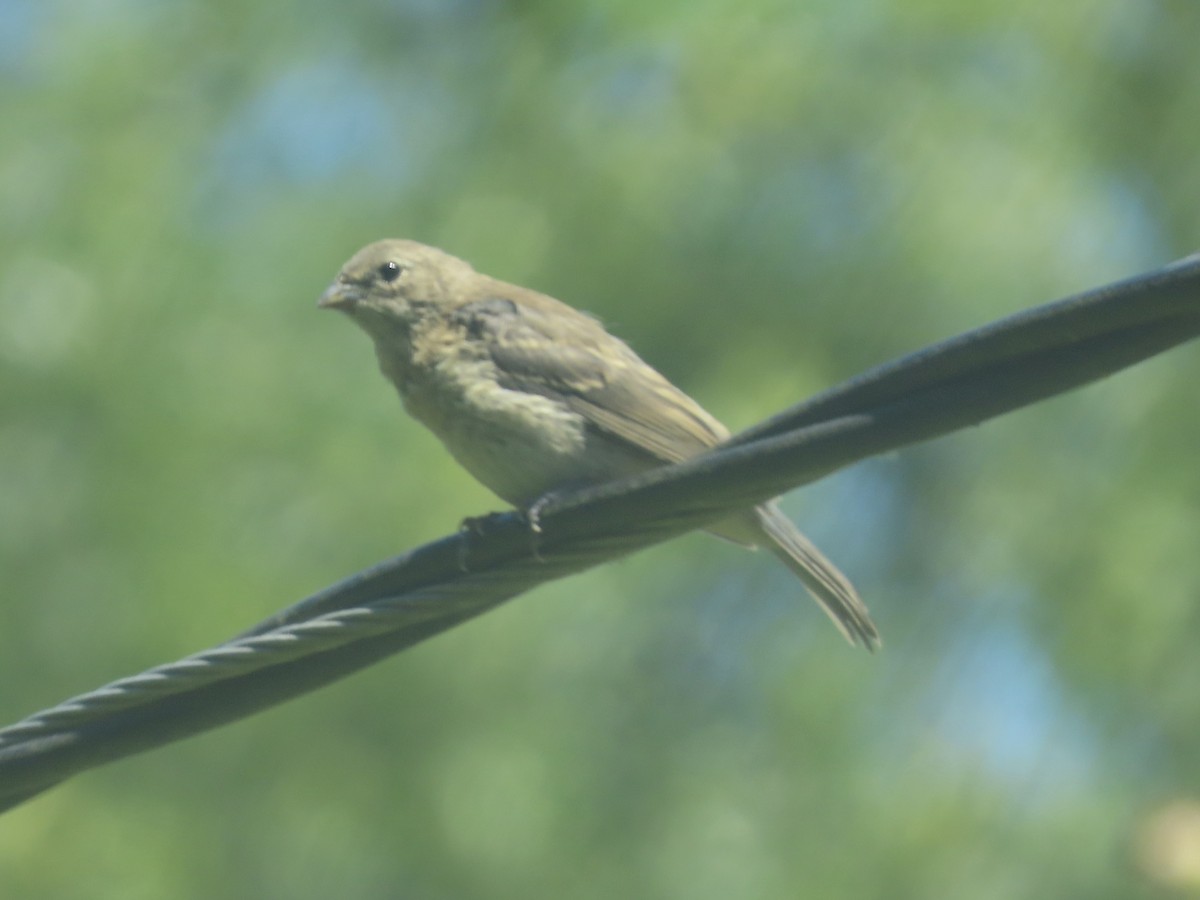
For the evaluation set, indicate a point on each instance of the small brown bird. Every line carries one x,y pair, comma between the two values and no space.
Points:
532,396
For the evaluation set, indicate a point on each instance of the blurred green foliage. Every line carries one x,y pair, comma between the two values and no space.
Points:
764,198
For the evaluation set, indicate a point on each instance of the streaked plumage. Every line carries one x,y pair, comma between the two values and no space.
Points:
531,395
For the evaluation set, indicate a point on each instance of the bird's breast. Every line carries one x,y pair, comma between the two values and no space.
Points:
518,444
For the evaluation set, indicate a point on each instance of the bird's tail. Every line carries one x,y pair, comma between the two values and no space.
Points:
828,586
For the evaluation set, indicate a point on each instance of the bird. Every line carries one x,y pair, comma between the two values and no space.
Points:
532,396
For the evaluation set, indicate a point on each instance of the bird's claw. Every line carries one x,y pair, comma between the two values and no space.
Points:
533,516
475,526
478,526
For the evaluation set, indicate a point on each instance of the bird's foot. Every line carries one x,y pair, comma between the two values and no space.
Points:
476,527
533,516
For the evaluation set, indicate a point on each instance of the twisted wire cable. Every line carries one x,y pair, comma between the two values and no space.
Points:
375,613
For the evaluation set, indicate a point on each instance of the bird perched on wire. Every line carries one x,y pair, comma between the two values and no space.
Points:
532,396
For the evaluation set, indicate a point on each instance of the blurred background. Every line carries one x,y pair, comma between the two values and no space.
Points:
763,198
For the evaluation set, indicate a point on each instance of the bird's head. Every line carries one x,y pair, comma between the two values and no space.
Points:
391,284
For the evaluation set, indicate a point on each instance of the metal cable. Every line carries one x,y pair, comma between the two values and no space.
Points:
375,613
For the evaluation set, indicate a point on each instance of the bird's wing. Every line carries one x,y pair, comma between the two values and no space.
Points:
548,348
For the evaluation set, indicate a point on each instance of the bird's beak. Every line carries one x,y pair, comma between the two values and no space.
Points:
340,295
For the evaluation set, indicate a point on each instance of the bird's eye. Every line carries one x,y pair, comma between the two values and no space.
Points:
390,271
